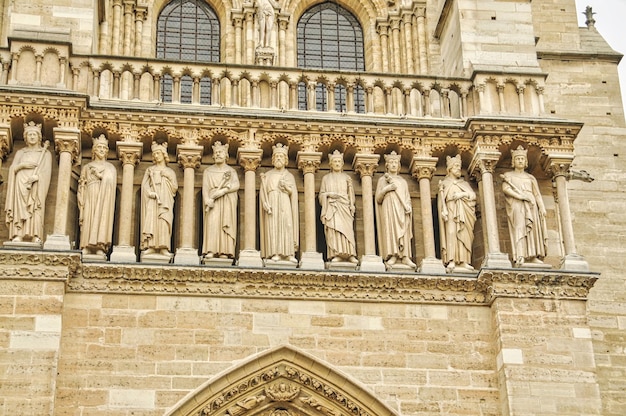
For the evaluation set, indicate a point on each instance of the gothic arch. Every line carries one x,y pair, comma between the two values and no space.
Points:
281,381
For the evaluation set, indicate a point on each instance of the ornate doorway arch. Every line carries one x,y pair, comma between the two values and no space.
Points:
281,382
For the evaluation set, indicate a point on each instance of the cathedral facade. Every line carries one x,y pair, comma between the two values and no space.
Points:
282,208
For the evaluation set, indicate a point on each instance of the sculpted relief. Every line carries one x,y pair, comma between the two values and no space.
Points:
525,212
158,188
96,201
337,200
278,210
457,216
27,188
394,215
220,184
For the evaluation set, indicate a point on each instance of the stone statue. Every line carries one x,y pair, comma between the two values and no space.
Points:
394,215
457,209
266,15
158,189
96,200
27,188
525,211
279,210
219,197
337,200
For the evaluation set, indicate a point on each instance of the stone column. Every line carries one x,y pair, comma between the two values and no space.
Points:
422,169
128,25
67,143
283,22
395,42
189,158
309,163
250,159
365,165
238,23
421,35
383,32
140,16
129,154
559,166
117,27
249,19
483,165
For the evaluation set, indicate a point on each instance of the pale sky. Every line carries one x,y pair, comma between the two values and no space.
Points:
610,17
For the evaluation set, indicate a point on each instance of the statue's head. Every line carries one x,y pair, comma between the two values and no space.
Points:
392,159
100,146
32,129
280,149
162,148
521,154
453,161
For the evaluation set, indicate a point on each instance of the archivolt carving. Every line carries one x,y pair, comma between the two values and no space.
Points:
282,381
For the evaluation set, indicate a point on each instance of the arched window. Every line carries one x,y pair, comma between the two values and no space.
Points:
330,37
187,30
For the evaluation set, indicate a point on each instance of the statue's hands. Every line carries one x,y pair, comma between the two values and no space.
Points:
26,165
391,187
444,215
210,203
267,208
152,195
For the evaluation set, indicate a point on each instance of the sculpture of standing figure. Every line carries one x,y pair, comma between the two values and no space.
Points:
525,211
394,215
158,189
457,208
27,188
337,200
219,196
96,200
279,210
266,16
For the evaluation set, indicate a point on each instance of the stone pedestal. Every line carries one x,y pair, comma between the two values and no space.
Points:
187,256
431,265
217,261
250,258
372,263
574,263
312,261
156,258
123,254
57,242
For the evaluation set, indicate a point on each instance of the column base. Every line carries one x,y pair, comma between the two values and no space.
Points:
311,260
187,256
574,263
372,263
123,254
250,258
57,242
431,265
497,261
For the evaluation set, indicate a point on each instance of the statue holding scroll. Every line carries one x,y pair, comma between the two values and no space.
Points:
27,188
219,200
457,217
96,200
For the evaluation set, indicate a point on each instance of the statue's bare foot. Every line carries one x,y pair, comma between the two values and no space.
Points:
536,260
407,262
353,259
450,267
275,257
392,260
149,251
209,255
165,252
292,259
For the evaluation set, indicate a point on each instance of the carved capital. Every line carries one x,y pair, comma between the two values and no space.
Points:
365,164
67,140
423,167
558,165
309,162
129,153
189,156
485,160
249,159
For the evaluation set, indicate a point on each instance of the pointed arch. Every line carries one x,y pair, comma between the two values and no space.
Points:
281,381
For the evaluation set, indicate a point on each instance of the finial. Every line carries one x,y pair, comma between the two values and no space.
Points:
590,22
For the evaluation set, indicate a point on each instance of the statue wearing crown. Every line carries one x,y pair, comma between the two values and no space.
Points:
220,184
27,188
526,212
394,216
158,189
457,217
96,202
337,201
279,211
